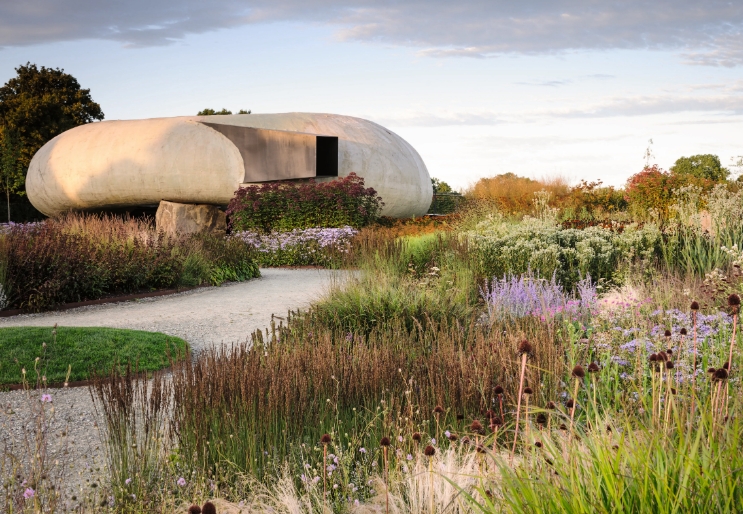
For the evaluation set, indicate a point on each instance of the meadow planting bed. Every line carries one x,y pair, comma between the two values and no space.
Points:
498,364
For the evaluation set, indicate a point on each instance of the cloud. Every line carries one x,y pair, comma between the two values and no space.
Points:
708,33
728,104
545,83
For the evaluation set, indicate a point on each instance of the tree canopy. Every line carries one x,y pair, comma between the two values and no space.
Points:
212,112
705,166
40,103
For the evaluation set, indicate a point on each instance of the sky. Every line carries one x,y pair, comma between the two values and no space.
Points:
569,88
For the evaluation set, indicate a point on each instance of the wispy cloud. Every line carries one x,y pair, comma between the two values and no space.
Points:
422,119
706,33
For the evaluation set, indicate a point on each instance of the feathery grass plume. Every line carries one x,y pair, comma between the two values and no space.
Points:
208,508
525,350
325,440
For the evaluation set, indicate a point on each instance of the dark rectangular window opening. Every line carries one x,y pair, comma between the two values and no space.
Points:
327,156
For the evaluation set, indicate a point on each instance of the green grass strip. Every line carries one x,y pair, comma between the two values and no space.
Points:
84,349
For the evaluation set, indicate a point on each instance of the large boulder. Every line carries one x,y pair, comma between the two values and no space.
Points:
187,218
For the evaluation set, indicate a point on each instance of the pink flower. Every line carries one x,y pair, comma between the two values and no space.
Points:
29,493
181,482
46,398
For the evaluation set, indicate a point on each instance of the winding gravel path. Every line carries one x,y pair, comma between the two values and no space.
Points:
203,317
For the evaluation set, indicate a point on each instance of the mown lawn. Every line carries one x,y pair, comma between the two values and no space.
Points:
84,349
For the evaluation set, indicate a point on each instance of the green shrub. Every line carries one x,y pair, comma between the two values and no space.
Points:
288,206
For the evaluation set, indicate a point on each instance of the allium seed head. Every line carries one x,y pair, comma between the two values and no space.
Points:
538,444
667,333
669,351
653,357
325,439
721,374
385,441
734,300
578,371
570,403
476,426
498,390
430,451
593,368
417,437
525,347
695,305
683,331
541,418
497,421
669,364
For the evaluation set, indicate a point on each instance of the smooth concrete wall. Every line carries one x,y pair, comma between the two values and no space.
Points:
130,163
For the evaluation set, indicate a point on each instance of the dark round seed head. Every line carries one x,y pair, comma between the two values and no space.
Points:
683,332
194,509
593,368
480,449
711,370
669,364
476,426
460,417
325,439
453,437
551,405
695,305
498,390
208,508
662,356
669,351
385,441
497,421
490,414
563,426
667,333
579,372
525,347
528,390
438,409
538,444
721,374
570,403
430,451
417,437
653,357
541,418
726,366
734,300
465,440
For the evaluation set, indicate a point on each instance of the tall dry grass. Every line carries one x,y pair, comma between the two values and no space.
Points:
513,194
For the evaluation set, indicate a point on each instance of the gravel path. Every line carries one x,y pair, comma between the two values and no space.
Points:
203,317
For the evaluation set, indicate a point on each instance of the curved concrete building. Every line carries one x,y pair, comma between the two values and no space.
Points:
204,159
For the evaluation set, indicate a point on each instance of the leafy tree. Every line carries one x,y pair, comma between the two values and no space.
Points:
12,173
444,198
212,112
705,166
41,103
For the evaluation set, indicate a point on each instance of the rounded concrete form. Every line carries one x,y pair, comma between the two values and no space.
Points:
204,159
